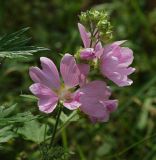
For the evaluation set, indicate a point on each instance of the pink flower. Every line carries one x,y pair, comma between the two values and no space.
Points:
49,89
94,99
114,63
84,71
90,51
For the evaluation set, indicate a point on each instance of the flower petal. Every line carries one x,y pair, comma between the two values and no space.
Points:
84,68
47,98
74,102
51,71
92,107
99,53
69,71
114,64
105,118
87,54
126,56
98,47
84,71
84,35
110,106
38,76
72,105
96,89
92,96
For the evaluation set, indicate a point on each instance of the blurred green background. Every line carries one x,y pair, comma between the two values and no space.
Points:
54,25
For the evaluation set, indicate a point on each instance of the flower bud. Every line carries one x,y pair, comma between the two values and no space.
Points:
87,54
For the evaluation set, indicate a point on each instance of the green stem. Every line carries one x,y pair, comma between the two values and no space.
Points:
63,126
56,125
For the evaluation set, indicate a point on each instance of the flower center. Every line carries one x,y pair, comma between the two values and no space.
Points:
64,93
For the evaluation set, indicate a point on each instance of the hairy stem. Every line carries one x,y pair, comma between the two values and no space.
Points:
56,125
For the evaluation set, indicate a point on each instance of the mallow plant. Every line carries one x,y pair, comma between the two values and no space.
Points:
75,86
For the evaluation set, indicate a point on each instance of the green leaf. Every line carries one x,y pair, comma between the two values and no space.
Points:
33,131
18,118
6,134
67,119
71,118
29,97
5,112
14,45
104,149
143,118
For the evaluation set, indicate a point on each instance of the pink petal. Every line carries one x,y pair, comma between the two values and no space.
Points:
72,105
87,54
92,106
111,48
98,47
110,106
114,64
105,118
69,71
47,98
84,35
96,89
127,56
51,71
99,53
92,96
84,68
38,76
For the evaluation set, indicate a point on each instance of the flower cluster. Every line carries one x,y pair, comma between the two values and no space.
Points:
75,89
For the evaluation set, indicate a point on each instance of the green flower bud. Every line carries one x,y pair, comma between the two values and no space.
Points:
98,21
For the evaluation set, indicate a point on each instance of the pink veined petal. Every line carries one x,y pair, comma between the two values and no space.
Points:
92,96
108,66
92,106
47,98
38,76
51,71
99,53
98,47
35,75
110,106
84,71
72,105
84,35
87,54
69,71
84,68
114,64
123,79
110,49
96,89
105,118
126,56
118,76
125,71
130,70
